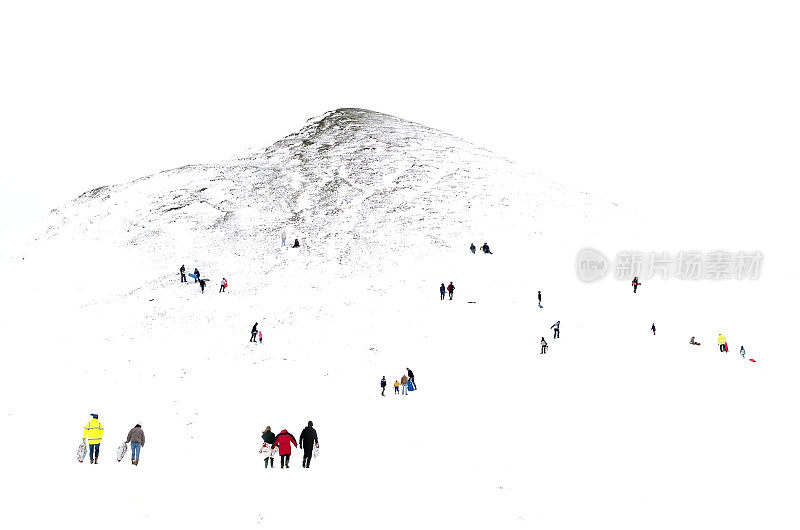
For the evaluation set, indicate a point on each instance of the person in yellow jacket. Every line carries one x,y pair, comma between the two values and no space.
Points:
723,343
94,431
396,387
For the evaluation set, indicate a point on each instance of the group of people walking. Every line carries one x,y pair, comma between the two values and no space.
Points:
484,248
93,433
405,384
223,284
449,289
283,442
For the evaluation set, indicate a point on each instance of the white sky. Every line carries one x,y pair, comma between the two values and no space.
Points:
686,102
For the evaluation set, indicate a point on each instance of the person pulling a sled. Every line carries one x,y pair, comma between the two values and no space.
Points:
93,431
136,439
284,442
308,441
723,343
269,438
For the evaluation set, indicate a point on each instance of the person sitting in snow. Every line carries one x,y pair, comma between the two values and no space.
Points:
296,243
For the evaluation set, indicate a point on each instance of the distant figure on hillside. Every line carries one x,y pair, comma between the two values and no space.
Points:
723,343
472,247
450,289
485,249
556,329
283,441
260,337
296,243
741,352
544,346
196,275
653,328
269,438
404,384
253,332
283,239
308,441
540,299
94,431
396,387
136,439
223,285
411,377
183,274
635,283
442,290
202,286
383,386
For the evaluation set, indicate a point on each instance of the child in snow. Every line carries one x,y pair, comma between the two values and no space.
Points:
396,387
741,352
544,346
296,243
260,337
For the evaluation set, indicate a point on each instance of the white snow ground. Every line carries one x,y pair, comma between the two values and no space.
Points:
613,428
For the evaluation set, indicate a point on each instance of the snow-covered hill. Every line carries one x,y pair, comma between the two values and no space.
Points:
614,427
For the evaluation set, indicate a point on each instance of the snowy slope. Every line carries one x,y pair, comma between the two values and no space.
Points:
613,428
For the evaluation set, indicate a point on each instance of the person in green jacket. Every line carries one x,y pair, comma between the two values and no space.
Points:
269,438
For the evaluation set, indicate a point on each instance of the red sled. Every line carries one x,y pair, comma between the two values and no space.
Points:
752,360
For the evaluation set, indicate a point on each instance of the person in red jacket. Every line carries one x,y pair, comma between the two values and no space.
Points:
284,441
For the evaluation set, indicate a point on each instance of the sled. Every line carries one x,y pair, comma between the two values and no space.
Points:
121,450
315,453
269,451
191,275
752,360
411,386
81,451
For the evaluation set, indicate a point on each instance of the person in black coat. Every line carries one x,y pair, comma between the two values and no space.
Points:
411,377
202,286
296,243
308,440
196,275
269,438
254,332
383,385
183,274
472,247
442,290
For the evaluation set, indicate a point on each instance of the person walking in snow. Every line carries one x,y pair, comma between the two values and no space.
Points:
450,289
283,441
283,238
223,285
653,328
411,378
404,384
635,283
472,247
183,274
253,332
723,343
741,352
136,439
396,387
485,249
308,441
196,275
269,438
442,290
202,286
556,329
544,346
260,337
540,299
383,386
94,431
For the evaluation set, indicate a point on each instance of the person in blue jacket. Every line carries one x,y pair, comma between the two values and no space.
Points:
442,290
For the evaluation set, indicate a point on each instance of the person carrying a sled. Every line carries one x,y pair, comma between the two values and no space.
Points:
136,439
485,248
269,438
223,285
283,441
93,430
411,378
308,441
